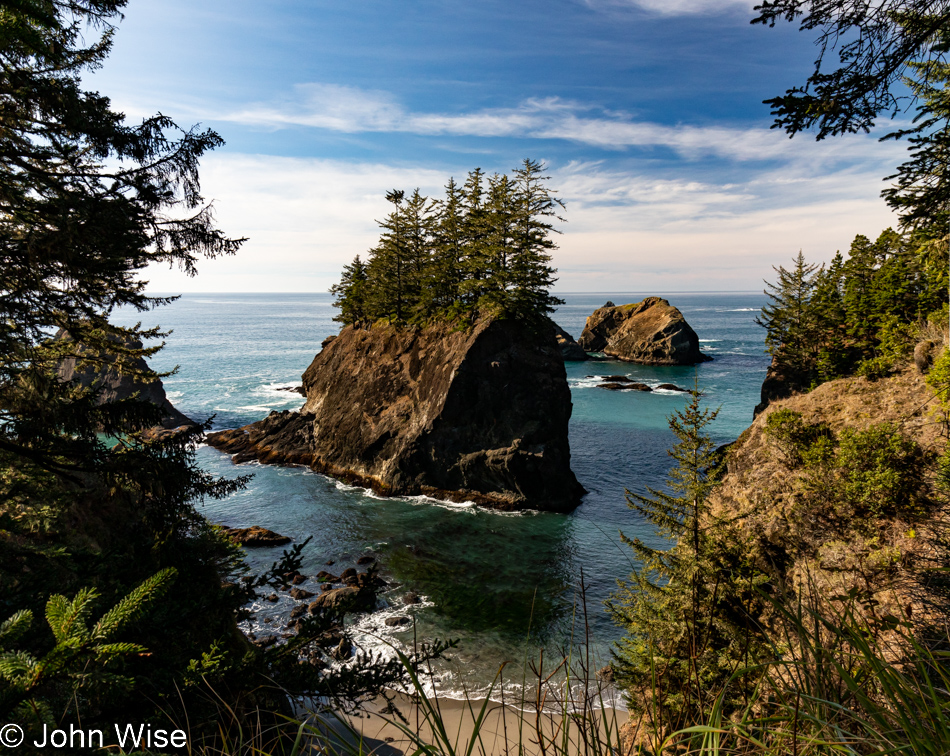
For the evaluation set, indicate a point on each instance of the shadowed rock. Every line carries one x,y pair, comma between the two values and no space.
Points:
479,415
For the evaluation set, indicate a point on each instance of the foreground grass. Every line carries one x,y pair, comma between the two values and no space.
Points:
835,687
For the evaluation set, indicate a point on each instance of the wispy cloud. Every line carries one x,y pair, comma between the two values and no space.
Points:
687,7
626,229
351,110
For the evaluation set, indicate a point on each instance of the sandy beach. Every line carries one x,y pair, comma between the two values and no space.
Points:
502,729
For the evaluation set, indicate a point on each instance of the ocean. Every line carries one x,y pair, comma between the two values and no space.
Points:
504,584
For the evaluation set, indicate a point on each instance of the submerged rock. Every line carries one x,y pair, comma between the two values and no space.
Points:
629,386
651,332
479,415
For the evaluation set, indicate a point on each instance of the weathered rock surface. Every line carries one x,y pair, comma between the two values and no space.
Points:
778,384
571,351
476,415
256,536
115,387
651,332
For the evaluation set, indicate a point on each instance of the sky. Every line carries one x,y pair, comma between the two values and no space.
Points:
647,114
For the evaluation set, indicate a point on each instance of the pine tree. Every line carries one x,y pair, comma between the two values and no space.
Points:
532,275
688,610
789,320
351,294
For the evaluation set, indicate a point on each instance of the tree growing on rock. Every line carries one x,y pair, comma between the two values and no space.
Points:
485,249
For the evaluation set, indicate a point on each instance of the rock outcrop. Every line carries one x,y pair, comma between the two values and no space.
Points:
762,495
256,536
651,332
571,351
113,386
479,415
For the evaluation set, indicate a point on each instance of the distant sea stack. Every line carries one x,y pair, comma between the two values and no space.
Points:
113,386
651,332
571,351
479,415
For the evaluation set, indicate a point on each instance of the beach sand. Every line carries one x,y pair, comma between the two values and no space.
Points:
502,729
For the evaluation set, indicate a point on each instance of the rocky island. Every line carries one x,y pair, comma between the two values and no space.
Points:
466,415
651,332
114,386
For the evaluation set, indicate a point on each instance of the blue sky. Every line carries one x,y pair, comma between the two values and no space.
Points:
647,113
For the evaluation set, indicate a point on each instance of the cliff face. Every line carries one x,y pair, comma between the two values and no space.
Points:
651,332
814,544
478,415
114,386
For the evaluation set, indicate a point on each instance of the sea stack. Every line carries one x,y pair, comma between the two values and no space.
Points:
479,415
651,332
113,386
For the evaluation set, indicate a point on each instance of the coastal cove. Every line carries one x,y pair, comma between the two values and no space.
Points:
490,579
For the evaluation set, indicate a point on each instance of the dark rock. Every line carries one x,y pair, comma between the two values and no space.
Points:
397,621
325,577
651,332
570,350
330,562
351,580
412,598
113,386
479,414
924,355
327,341
299,594
296,389
267,640
298,611
326,587
256,536
298,579
272,598
366,560
779,383
615,378
632,386
343,650
671,387
346,599
349,572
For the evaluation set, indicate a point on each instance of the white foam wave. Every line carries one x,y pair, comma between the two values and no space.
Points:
745,309
708,341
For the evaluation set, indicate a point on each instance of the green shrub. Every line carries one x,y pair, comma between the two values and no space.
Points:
875,368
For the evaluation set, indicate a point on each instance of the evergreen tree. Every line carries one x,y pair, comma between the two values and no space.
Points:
351,294
442,292
483,250
789,318
689,610
532,275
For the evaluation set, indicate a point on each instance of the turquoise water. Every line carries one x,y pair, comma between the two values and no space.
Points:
503,584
